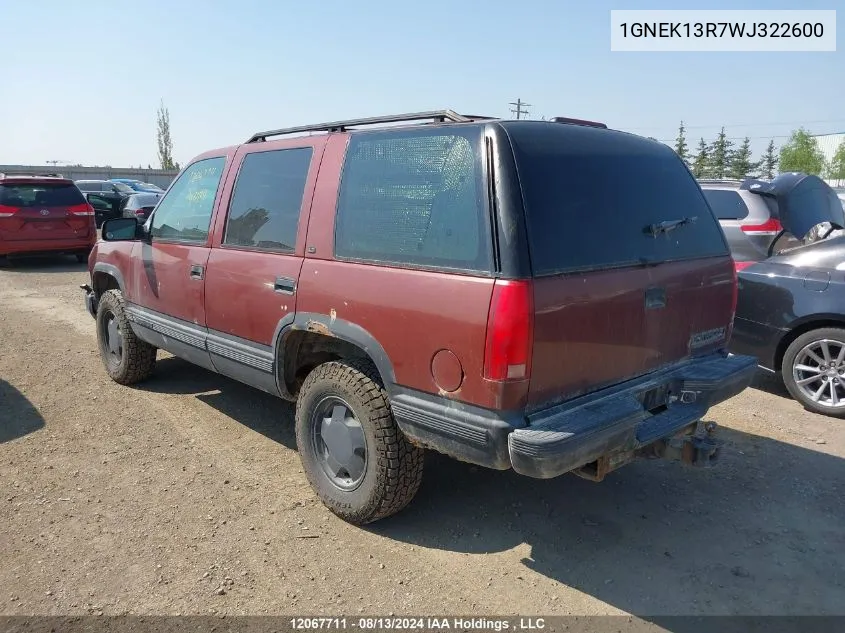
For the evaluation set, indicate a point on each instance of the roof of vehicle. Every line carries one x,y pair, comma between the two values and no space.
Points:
141,195
393,121
34,179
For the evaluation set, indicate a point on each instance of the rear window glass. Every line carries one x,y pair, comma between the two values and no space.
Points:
592,197
40,195
123,187
148,200
415,197
89,186
726,204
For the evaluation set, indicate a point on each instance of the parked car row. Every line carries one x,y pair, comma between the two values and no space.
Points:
119,197
787,239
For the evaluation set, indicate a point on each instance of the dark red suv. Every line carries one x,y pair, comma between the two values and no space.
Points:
550,297
44,214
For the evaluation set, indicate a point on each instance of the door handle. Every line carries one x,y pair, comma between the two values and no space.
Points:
197,272
285,285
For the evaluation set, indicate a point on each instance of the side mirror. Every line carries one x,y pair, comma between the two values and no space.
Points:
121,230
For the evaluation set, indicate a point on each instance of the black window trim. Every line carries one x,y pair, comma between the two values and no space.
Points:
264,249
227,163
487,204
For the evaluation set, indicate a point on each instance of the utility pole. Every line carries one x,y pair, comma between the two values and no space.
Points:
519,111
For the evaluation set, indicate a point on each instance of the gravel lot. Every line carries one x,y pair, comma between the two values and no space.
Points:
185,495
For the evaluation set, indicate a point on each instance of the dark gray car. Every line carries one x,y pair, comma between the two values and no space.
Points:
140,205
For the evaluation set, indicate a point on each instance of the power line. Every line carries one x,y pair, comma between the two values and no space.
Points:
751,138
700,127
518,111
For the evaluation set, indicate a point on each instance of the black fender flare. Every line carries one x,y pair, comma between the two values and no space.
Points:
334,328
112,271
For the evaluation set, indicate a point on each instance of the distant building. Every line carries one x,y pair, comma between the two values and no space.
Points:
160,177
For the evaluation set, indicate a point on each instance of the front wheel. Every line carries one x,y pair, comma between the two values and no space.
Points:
354,455
127,358
813,371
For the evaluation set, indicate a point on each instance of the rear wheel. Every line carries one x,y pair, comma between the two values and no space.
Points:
127,358
353,453
813,370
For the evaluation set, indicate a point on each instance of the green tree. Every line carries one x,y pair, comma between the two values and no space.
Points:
802,153
681,147
741,163
720,155
701,161
836,169
769,162
165,142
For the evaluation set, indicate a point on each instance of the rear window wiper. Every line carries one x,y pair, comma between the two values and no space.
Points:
667,225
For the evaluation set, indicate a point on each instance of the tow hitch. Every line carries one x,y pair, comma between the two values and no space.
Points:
699,448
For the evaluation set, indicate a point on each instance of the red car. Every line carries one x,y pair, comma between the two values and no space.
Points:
44,214
550,297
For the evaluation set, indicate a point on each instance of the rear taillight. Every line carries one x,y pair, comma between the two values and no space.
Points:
742,266
81,209
7,212
510,331
139,213
771,227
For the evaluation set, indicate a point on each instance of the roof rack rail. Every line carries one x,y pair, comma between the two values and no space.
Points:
441,116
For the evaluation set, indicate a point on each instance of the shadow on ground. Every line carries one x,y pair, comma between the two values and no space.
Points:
43,264
770,383
258,411
761,533
18,417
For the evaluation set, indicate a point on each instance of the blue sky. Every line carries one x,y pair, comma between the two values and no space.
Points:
81,81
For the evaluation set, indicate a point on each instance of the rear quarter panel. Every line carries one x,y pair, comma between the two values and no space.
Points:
412,314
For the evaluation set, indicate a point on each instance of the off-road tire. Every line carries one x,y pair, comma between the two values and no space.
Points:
792,351
394,466
138,358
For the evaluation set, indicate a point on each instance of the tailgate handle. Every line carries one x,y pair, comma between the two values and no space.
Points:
655,298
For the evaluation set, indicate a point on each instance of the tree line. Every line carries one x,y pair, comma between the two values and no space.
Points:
722,158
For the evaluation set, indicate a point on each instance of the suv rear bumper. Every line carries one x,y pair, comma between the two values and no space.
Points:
620,419
46,247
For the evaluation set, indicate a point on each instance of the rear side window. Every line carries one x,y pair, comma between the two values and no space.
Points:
266,202
414,197
726,204
90,186
40,195
592,197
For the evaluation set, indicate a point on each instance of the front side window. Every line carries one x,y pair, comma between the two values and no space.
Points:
184,214
264,212
414,197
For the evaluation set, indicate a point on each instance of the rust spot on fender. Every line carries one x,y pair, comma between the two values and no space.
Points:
318,328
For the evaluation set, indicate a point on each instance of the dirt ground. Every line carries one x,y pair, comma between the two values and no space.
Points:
185,495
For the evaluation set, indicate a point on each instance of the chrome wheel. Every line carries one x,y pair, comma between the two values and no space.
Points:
819,372
339,443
